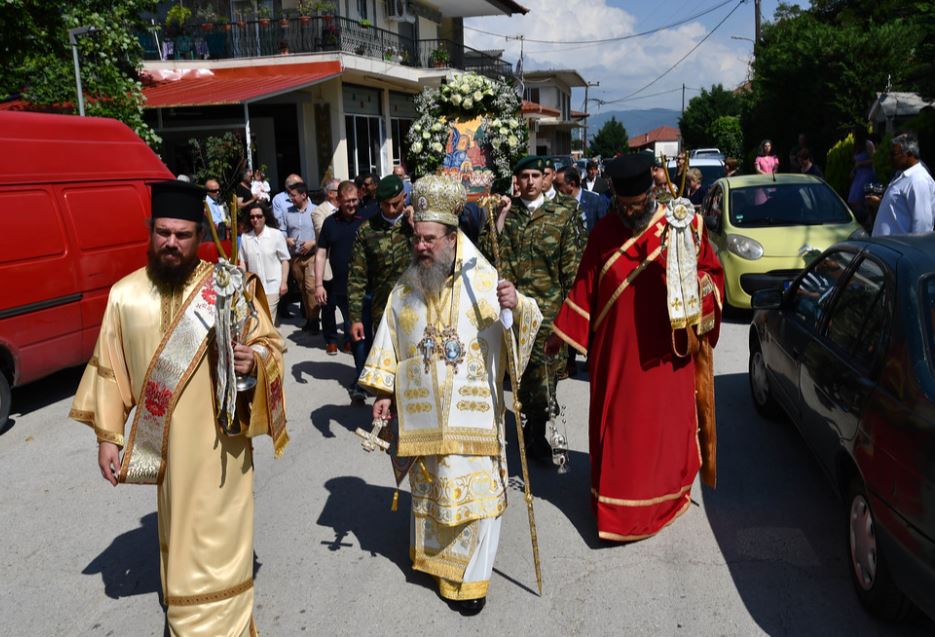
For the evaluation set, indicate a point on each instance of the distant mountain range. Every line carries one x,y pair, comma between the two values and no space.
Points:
637,121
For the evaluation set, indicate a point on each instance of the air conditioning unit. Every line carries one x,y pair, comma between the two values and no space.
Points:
398,10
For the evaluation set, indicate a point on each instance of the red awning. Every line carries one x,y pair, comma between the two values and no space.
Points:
240,85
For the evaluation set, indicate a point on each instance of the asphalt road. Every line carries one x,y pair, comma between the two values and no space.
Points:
762,554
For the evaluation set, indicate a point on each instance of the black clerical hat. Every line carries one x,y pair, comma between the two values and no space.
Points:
631,174
178,200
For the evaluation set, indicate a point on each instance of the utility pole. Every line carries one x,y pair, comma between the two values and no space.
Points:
756,13
683,99
73,41
584,142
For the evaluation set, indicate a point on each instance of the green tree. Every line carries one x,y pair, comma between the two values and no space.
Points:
38,58
610,139
815,75
220,158
703,111
727,135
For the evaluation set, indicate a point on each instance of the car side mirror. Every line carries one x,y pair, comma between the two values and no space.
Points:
713,223
769,299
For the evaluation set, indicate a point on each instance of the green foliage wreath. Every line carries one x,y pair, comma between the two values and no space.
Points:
466,97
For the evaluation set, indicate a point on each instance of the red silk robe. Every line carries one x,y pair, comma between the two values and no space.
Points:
643,423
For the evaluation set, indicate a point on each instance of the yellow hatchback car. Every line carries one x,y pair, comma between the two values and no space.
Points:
765,228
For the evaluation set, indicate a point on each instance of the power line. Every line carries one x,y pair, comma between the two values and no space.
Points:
681,59
607,40
643,97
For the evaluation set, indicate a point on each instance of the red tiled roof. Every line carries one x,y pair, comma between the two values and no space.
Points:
539,109
661,134
579,114
240,85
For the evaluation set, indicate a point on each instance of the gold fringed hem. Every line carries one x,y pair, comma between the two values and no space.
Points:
605,535
207,598
440,447
462,590
573,343
439,567
640,503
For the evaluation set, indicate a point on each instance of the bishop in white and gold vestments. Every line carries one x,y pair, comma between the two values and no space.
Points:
441,355
155,356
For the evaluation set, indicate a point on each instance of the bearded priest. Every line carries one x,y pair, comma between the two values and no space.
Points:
156,354
645,308
438,361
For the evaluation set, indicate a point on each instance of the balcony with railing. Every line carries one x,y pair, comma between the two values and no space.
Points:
313,34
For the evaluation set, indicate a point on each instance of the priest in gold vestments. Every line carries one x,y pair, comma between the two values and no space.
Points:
438,360
156,356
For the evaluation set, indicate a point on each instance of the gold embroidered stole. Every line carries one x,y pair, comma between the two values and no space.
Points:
182,347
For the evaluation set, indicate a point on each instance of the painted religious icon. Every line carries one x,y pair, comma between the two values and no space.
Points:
465,157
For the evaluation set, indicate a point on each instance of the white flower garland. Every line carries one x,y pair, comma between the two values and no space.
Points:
466,97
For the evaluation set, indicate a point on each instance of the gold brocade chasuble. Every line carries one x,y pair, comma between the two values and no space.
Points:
444,408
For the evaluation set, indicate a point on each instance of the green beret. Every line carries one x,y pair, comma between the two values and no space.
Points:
549,163
530,162
389,187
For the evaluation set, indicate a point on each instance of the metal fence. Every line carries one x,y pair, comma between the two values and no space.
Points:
313,35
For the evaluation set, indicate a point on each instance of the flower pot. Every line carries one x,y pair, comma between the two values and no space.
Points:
264,22
305,19
207,26
440,64
228,27
284,23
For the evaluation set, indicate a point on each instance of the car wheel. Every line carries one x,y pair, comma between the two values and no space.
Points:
869,569
760,389
6,397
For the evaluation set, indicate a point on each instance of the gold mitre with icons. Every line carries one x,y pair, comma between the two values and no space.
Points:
438,198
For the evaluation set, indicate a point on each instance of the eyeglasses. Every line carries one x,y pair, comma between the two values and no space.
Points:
256,216
634,205
214,190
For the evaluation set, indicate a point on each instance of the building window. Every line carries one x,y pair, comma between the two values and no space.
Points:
364,139
531,94
400,129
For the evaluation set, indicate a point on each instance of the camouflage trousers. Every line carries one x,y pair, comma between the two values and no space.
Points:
534,391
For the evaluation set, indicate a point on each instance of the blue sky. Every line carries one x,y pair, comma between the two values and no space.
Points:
624,67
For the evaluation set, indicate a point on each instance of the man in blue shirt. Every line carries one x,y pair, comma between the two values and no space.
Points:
300,237
217,207
281,202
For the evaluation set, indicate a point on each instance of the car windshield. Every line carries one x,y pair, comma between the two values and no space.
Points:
709,174
795,204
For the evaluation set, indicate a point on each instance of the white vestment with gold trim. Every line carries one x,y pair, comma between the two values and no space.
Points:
450,411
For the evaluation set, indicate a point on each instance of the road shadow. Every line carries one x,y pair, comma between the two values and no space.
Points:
45,391
130,565
350,416
781,528
381,532
341,370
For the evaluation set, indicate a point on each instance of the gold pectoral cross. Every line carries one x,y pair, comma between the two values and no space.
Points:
428,346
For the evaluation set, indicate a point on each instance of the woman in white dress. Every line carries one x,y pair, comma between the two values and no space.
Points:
263,252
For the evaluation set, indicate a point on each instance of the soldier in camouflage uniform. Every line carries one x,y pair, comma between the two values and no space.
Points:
539,252
381,252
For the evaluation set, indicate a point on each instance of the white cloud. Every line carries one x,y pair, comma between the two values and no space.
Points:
621,67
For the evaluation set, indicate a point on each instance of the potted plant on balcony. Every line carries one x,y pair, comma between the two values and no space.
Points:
389,54
284,20
306,9
208,17
240,20
365,23
176,18
440,58
263,15
225,22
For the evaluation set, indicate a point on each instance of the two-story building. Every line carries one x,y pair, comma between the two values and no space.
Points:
319,88
553,122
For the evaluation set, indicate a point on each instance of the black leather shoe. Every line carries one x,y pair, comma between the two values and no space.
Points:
312,327
539,449
284,311
469,607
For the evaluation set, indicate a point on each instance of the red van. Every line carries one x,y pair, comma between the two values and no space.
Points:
74,205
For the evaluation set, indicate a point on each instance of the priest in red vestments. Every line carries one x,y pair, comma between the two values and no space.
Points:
645,308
